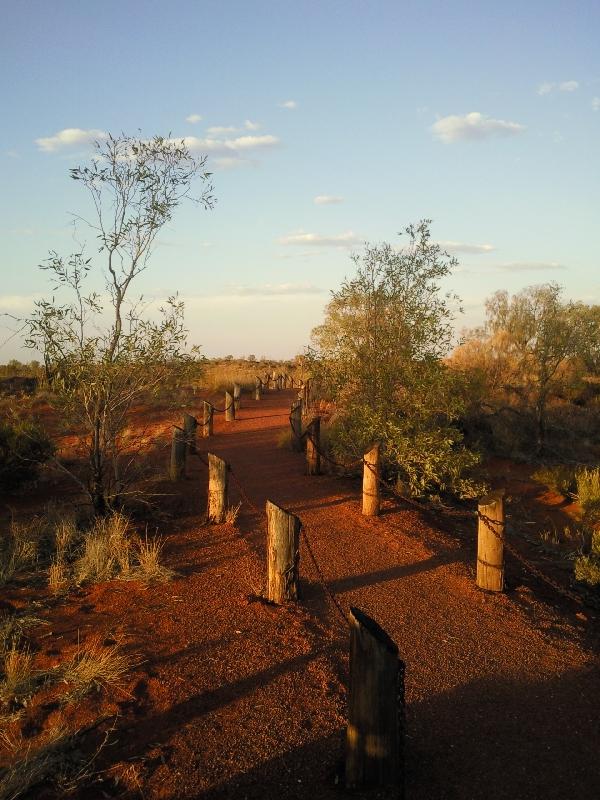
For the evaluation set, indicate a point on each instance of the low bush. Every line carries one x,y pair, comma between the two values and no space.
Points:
559,478
588,494
23,448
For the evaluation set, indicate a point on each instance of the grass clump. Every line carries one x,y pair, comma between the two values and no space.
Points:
587,565
18,676
95,667
32,765
588,493
106,551
560,479
232,514
20,548
148,554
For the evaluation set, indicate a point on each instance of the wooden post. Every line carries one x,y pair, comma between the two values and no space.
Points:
257,388
237,391
313,443
371,497
490,543
189,426
373,736
305,398
296,425
283,554
217,488
178,451
229,407
207,419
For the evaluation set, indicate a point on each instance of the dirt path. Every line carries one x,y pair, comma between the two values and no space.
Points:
238,699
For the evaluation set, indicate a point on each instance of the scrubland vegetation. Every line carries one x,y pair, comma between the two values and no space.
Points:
524,387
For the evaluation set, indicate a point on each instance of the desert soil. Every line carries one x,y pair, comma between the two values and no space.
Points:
235,698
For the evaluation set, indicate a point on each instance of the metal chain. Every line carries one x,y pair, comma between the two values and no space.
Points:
558,587
322,580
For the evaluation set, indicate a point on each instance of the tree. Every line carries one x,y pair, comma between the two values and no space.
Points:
99,368
539,332
378,354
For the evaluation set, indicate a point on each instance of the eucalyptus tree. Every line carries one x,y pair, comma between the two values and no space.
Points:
379,355
102,352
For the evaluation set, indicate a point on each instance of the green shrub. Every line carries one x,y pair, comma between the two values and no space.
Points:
560,479
588,494
23,448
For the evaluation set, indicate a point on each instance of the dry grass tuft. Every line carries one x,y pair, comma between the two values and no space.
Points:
59,577
149,554
18,680
94,667
20,548
106,551
36,765
232,514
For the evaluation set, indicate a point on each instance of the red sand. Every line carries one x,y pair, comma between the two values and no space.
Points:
239,699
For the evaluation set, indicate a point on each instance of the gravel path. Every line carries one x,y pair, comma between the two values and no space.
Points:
245,700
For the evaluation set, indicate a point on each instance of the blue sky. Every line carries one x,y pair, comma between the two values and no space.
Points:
482,116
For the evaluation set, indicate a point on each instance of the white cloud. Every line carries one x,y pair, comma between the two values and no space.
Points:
220,130
12,154
193,118
69,137
18,302
530,266
251,126
348,239
232,162
463,247
288,104
327,200
595,103
473,126
229,146
562,86
22,231
270,289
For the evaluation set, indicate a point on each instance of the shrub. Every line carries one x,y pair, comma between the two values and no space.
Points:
588,494
23,448
20,547
560,479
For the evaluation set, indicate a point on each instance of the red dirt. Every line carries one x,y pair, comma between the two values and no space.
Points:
239,699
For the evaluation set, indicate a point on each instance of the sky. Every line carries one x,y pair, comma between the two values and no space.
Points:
326,124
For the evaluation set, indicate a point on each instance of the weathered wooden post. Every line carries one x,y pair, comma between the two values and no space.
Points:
283,554
276,381
305,397
229,407
217,488
373,735
207,419
189,426
257,388
371,496
313,444
296,425
237,391
178,452
490,542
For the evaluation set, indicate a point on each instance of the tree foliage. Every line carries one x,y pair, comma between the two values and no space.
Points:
531,349
379,353
100,352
